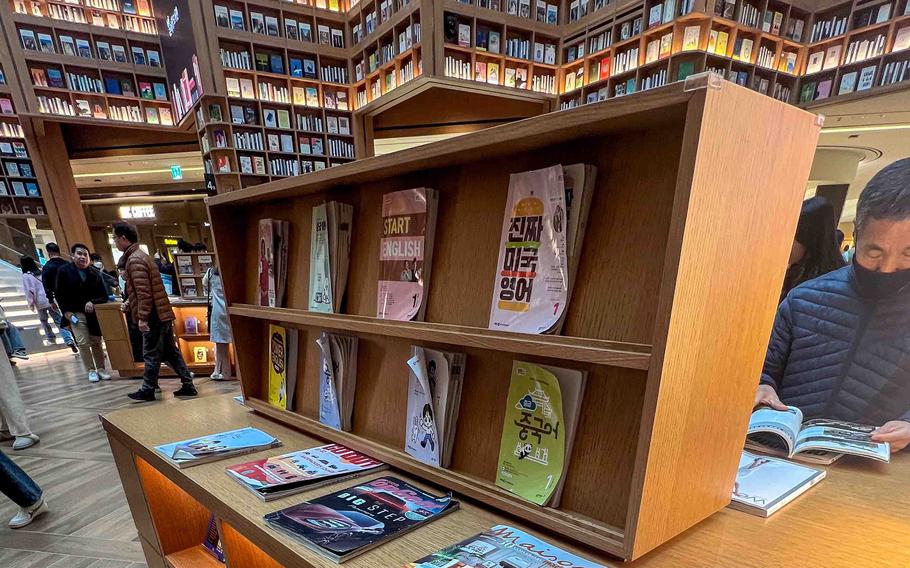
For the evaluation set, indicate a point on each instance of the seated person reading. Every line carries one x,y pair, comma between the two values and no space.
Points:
840,346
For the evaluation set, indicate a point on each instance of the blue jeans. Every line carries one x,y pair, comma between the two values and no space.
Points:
55,314
16,484
12,341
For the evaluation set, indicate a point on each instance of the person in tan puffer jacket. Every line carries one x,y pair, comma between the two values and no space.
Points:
150,308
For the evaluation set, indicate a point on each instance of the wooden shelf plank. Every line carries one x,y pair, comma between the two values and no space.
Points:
196,557
585,530
618,354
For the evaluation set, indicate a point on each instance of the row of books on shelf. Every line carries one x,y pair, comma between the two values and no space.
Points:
406,250
277,167
771,21
6,106
860,80
84,108
661,13
335,99
323,524
128,7
873,47
266,24
20,188
16,168
371,19
7,207
122,86
12,149
75,13
82,47
828,28
11,130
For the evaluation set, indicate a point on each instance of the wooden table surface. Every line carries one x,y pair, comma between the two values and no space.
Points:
858,516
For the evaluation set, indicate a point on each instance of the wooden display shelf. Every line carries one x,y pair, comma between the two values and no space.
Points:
632,356
195,557
645,321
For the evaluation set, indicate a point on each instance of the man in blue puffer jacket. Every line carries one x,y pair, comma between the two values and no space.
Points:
840,347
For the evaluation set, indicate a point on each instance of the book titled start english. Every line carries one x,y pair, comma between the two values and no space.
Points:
406,253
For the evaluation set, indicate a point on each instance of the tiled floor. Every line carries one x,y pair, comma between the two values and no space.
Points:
89,525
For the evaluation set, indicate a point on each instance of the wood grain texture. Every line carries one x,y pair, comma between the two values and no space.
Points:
630,355
720,283
241,553
195,557
180,521
142,428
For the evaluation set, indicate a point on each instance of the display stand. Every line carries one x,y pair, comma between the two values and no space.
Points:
670,317
670,314
119,349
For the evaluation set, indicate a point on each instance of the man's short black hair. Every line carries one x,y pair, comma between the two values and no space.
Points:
127,231
52,248
78,246
887,195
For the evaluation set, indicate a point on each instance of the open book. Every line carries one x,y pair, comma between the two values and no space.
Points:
783,432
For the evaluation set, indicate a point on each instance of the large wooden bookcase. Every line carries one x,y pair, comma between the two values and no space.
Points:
670,314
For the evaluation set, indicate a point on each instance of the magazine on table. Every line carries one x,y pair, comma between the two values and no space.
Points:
349,522
291,473
502,546
783,432
217,446
764,485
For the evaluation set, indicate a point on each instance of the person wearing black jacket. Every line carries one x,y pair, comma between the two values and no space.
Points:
78,289
839,347
49,281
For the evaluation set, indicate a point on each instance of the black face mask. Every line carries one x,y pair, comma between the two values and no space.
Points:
878,285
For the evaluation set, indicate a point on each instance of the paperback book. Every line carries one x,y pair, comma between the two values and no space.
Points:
284,475
273,258
213,447
502,546
330,248
544,225
783,433
406,253
337,379
282,366
434,396
346,523
765,485
541,417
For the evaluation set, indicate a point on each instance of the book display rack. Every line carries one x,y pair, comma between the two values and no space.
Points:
645,331
89,60
191,268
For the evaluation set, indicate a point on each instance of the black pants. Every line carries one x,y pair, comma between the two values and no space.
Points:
159,345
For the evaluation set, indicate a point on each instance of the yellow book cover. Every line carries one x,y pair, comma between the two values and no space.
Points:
533,444
200,354
277,370
721,43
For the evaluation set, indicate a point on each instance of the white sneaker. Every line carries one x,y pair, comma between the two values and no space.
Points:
217,377
105,376
27,441
26,515
93,376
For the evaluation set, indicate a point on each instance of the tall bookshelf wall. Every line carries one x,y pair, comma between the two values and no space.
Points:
574,51
95,60
20,192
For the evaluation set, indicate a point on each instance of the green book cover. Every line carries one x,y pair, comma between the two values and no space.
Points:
320,269
533,446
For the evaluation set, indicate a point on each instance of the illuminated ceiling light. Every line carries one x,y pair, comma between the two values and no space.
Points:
872,128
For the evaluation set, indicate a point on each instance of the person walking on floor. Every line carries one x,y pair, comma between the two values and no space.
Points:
79,288
219,324
150,308
35,295
23,491
12,341
49,280
13,419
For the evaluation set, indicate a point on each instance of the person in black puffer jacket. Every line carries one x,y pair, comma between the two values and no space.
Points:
840,346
